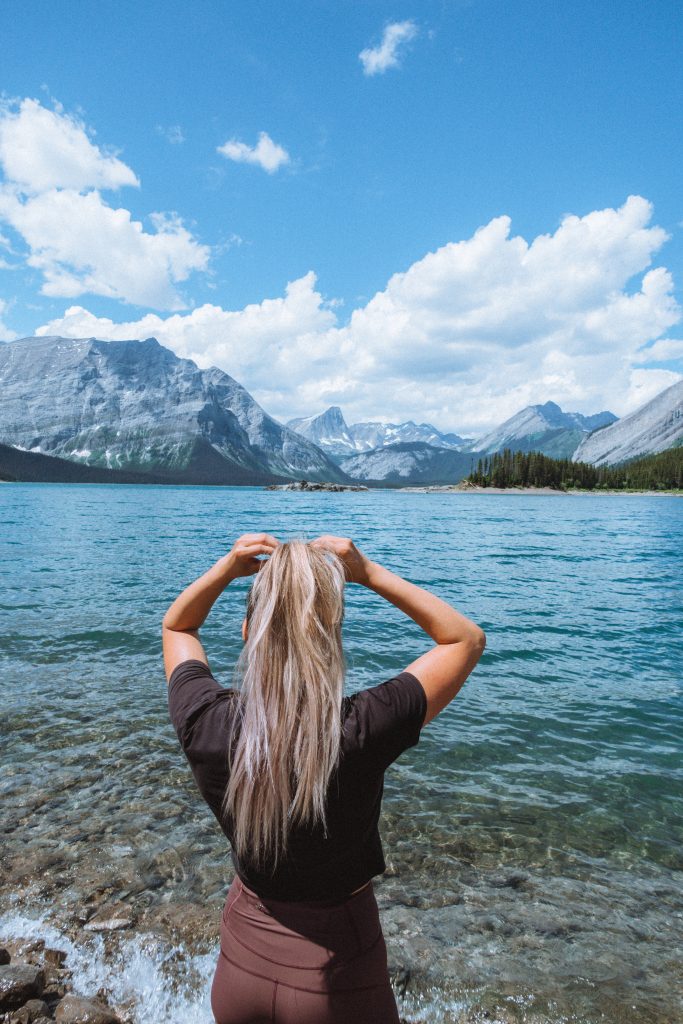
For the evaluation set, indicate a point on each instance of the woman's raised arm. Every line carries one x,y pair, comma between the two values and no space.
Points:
180,624
459,641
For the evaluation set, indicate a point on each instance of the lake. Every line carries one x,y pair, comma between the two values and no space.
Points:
533,837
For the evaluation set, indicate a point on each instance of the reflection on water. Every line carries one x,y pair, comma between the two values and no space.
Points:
534,836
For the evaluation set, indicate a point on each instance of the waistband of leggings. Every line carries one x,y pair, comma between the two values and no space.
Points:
255,900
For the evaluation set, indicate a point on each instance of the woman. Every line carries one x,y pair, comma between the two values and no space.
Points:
293,770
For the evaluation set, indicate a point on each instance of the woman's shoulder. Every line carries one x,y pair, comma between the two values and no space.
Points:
385,719
194,696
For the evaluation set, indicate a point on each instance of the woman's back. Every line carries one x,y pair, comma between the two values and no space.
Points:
378,724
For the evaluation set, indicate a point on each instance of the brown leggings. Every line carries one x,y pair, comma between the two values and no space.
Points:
314,962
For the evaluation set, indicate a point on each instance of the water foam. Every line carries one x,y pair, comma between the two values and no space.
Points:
148,979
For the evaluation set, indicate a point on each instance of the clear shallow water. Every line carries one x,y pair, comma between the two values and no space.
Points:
534,837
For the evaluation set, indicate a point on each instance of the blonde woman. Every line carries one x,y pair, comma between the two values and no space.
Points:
293,770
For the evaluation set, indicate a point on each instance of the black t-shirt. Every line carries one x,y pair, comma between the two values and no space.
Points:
379,723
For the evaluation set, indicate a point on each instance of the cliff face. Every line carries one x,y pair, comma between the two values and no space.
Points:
657,425
136,405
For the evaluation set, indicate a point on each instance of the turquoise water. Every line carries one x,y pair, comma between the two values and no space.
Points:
534,837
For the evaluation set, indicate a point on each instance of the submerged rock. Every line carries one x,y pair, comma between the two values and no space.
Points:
110,918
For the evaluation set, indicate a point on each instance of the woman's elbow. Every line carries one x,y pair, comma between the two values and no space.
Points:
478,639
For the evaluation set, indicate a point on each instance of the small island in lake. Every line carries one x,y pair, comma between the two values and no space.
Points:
315,485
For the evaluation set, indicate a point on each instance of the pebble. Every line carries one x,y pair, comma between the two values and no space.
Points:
110,918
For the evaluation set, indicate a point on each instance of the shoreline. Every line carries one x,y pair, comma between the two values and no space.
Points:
476,489
327,487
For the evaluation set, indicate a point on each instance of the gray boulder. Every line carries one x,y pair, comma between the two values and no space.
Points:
18,983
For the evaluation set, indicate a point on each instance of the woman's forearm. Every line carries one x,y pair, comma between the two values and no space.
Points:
190,608
439,620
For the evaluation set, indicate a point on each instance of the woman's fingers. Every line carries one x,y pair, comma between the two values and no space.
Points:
257,549
327,541
247,547
250,539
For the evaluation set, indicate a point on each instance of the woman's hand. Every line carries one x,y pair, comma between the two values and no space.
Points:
242,558
357,566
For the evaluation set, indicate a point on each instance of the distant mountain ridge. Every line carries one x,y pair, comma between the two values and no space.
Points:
135,405
545,428
330,432
409,462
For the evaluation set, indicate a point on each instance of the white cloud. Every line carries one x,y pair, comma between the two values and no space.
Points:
266,153
645,384
173,133
52,198
42,149
5,333
235,340
464,338
378,59
81,245
666,350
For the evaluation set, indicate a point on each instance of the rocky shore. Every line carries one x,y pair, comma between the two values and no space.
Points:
36,988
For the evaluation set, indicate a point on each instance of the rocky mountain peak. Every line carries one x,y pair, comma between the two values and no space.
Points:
135,405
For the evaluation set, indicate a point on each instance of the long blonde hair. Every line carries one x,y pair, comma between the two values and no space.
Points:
290,677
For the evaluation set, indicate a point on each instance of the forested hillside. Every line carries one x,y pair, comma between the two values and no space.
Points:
508,468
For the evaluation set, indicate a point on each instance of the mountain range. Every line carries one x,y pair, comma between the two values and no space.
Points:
330,432
87,409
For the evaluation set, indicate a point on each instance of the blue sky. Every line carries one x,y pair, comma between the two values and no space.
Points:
312,282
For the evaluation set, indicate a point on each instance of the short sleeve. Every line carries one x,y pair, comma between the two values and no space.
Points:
191,690
388,717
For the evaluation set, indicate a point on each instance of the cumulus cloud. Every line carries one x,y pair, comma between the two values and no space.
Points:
464,338
42,149
377,59
51,198
266,153
80,244
238,341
